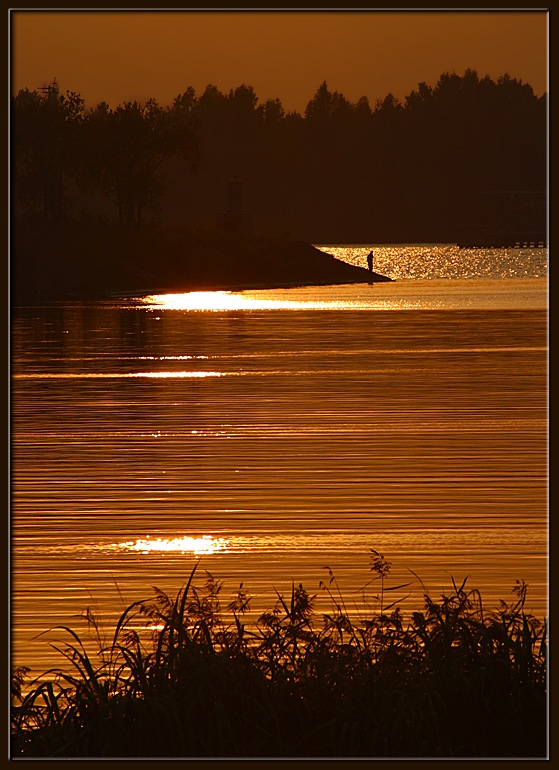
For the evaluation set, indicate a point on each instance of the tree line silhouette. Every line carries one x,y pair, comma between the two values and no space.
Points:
340,172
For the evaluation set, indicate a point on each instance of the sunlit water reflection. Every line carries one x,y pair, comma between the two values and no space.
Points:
266,435
445,260
195,545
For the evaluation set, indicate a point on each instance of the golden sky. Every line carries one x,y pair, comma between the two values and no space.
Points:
120,56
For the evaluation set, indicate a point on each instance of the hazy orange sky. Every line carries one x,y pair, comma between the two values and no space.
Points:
120,56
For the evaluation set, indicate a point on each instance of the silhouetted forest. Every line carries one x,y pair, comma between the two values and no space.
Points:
341,172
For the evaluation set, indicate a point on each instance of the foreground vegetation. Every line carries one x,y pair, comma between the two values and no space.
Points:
185,677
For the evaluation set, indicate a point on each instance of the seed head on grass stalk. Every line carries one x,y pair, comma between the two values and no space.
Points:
384,622
382,569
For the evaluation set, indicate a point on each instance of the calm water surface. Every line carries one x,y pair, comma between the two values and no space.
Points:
271,433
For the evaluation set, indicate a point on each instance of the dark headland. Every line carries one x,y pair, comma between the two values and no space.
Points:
75,261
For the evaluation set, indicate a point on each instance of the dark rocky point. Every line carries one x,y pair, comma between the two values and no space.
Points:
72,261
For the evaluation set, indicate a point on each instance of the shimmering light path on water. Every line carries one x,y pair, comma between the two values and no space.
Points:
431,261
490,294
314,435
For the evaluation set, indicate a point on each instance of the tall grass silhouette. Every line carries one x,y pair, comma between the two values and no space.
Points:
187,677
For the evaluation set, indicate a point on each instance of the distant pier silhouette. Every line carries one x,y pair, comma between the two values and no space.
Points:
507,219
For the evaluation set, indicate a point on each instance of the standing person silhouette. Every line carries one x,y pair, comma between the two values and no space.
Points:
370,261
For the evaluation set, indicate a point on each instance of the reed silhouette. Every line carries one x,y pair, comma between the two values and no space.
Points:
451,680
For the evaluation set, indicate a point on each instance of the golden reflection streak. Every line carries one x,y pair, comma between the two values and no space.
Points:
116,375
271,372
196,545
228,301
225,300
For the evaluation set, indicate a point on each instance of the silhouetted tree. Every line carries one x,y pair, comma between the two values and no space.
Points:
45,133
128,146
271,112
211,108
468,135
363,108
326,105
340,172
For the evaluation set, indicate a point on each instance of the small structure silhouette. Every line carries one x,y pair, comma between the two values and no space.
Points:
235,219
